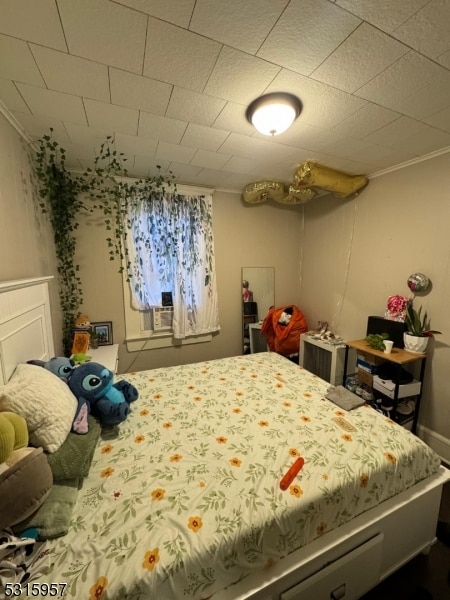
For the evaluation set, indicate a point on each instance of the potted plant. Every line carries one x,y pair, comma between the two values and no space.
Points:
376,341
93,339
418,330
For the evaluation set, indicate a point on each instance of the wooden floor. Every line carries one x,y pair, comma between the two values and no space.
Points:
424,577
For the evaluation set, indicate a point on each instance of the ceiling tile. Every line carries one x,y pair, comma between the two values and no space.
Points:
407,76
174,11
11,98
172,152
242,25
237,164
206,138
193,106
72,75
57,105
178,56
143,164
33,20
306,136
234,181
105,32
273,152
232,118
380,13
161,128
346,148
366,120
239,77
38,125
241,145
441,120
213,178
433,97
112,118
135,91
323,106
84,135
362,56
209,160
397,132
425,141
17,62
183,171
444,59
301,41
133,144
428,29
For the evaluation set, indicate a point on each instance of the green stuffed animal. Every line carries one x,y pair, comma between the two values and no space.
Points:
25,475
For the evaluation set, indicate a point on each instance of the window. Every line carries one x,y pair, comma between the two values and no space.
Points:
170,249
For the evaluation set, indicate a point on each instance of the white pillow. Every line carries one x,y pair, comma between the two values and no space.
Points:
44,401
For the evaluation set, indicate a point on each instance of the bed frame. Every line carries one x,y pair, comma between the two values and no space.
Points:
343,564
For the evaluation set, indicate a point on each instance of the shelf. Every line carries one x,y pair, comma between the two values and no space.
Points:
398,355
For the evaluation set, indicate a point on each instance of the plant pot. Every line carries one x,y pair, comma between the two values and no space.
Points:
93,343
414,343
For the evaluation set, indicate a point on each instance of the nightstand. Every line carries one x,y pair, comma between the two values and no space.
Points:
108,356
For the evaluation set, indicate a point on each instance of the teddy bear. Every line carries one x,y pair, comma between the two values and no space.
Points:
93,386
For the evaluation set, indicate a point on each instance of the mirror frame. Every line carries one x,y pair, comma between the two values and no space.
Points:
261,282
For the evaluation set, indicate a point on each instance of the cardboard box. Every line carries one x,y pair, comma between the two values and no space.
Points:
387,387
365,377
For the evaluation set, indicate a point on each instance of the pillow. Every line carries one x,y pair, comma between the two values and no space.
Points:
44,401
24,486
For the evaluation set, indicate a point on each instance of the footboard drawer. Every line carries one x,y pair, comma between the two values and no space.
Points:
346,578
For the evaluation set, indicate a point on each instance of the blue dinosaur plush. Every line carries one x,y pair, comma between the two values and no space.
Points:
93,386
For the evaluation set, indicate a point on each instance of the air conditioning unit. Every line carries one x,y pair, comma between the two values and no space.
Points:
162,318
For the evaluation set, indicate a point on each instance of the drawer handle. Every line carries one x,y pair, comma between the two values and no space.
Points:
338,593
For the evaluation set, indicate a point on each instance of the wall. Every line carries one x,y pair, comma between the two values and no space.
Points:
357,253
26,243
258,236
354,255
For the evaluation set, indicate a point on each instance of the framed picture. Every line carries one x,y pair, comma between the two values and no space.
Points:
80,342
104,332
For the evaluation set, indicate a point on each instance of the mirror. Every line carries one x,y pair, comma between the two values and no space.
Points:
258,295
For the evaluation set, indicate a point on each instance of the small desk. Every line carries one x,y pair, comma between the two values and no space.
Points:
399,357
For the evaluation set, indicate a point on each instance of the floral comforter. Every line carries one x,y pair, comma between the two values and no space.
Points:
183,499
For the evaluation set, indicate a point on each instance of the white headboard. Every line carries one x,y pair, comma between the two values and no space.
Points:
25,323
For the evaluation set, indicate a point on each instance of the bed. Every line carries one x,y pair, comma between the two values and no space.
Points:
182,500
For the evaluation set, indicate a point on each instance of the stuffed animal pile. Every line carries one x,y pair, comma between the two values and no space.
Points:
93,386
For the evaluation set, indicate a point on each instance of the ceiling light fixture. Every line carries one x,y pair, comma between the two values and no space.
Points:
273,113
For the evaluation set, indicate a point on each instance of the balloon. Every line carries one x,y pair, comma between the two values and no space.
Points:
340,184
418,282
309,180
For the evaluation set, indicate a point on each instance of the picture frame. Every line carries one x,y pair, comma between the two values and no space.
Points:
80,343
104,331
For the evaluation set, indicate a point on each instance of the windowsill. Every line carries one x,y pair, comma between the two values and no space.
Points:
140,342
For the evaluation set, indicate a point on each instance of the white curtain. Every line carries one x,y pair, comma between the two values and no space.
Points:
170,248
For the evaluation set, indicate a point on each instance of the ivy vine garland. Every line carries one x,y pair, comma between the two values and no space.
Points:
65,195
